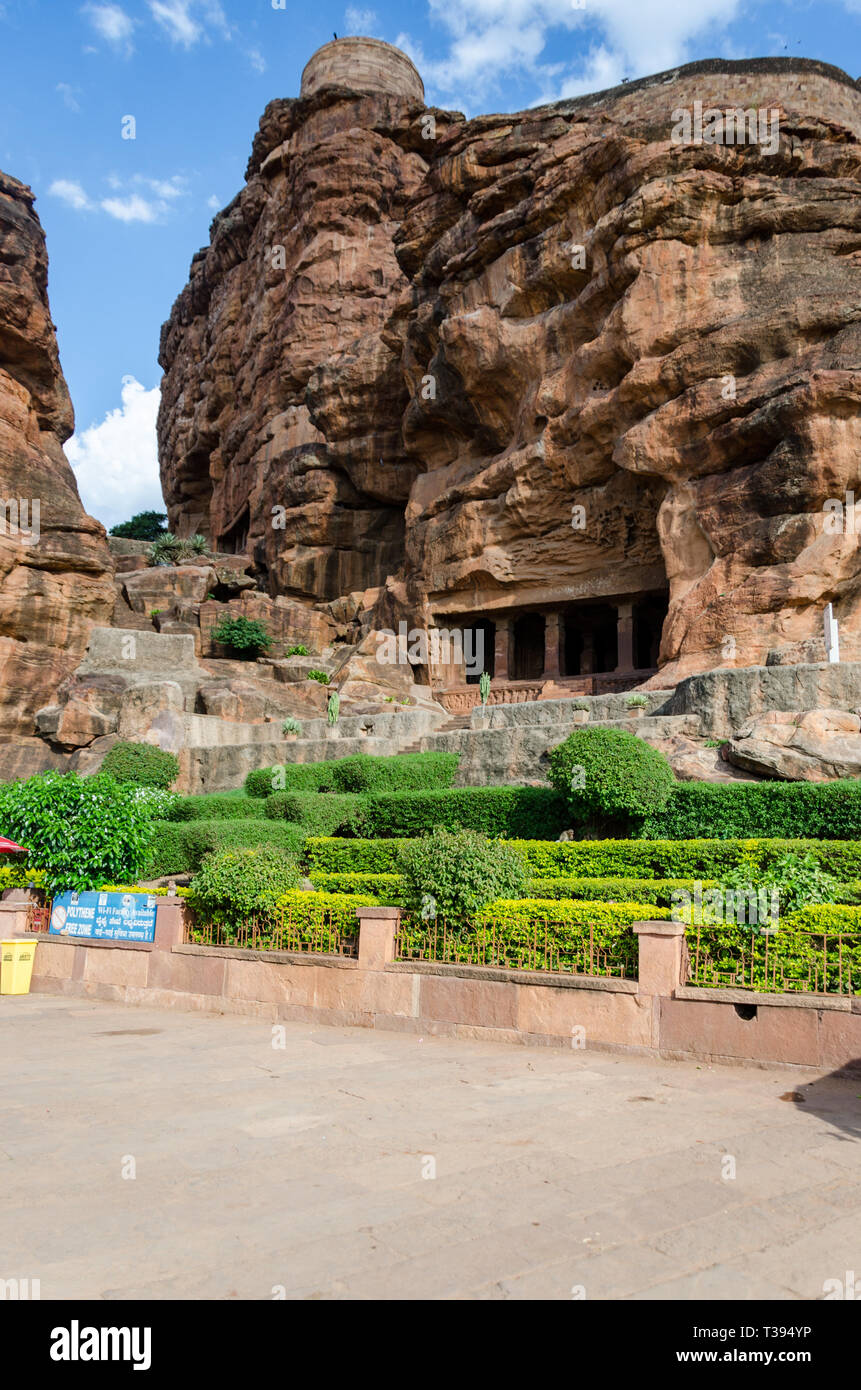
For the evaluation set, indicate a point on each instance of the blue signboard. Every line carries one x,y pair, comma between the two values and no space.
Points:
105,916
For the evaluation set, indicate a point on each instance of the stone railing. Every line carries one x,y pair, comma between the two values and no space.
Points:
460,699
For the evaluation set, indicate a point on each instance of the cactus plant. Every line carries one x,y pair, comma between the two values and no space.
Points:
334,707
484,687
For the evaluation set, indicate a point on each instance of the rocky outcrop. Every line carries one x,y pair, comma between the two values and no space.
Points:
417,344
814,746
55,569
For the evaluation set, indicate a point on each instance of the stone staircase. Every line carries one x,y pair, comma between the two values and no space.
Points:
453,725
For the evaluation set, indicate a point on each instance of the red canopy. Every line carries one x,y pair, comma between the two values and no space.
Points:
9,847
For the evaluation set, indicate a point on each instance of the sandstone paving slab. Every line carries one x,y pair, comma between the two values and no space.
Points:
302,1167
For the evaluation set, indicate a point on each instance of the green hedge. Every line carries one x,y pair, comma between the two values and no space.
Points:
790,810
614,890
179,847
329,813
382,886
502,812
639,859
216,806
362,772
789,961
298,917
141,763
538,934
291,777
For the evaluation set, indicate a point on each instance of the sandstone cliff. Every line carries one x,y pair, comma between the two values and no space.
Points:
55,570
414,347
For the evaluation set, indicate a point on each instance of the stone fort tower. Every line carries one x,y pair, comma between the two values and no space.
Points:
365,65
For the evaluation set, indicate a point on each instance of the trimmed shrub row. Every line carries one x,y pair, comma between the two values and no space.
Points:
362,772
216,806
306,915
178,847
505,813
335,813
787,810
658,859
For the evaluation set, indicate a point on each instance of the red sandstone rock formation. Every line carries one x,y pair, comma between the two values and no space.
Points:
55,582
430,376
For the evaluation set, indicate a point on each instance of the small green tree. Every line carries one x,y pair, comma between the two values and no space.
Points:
454,874
81,832
144,526
246,638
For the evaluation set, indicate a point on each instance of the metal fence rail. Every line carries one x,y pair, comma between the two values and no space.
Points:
279,930
788,961
542,945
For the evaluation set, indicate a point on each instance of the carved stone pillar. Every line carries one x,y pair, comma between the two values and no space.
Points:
625,637
553,636
502,649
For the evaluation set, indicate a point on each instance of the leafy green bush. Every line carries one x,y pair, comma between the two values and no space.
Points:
216,806
141,763
364,772
323,814
503,812
786,810
296,918
793,959
233,884
246,638
610,774
798,880
158,804
458,873
80,831
321,677
179,847
296,651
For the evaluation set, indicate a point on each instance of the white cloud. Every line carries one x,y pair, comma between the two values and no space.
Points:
186,28
72,194
361,21
68,95
132,208
112,23
116,462
129,205
214,203
256,59
494,39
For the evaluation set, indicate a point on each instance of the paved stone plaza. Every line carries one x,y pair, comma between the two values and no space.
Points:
311,1168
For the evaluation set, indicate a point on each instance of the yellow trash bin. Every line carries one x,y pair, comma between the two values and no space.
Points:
16,966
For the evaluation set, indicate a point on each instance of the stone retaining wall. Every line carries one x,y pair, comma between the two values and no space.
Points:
656,1014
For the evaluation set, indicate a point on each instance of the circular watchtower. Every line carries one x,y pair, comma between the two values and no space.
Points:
365,65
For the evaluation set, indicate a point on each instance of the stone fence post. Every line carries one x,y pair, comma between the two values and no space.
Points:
662,965
377,930
169,923
13,918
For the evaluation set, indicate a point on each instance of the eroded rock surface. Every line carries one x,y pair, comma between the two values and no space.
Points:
55,570
462,338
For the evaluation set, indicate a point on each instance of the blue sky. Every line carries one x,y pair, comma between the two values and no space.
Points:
124,217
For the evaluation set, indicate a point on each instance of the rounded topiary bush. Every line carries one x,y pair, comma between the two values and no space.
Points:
610,774
141,763
234,884
453,874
